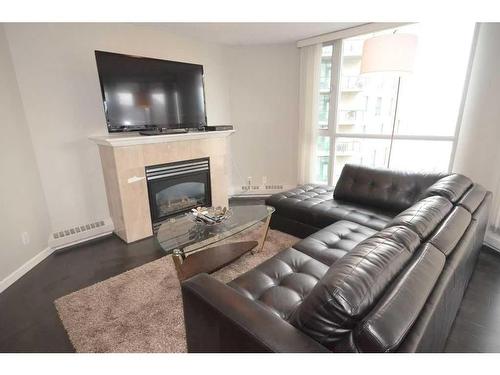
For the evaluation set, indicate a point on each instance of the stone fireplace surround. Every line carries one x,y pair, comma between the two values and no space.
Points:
124,158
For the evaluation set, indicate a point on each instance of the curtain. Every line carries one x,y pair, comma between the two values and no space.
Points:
310,61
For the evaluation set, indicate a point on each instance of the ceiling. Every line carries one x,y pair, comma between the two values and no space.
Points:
256,33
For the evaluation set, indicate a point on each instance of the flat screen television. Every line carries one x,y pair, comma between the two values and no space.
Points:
142,93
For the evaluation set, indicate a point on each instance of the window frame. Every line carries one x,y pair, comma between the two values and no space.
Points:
331,131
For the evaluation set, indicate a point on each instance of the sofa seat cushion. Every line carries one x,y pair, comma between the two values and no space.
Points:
315,206
282,282
332,211
333,242
297,203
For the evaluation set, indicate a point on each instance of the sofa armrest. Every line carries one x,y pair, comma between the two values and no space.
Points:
219,319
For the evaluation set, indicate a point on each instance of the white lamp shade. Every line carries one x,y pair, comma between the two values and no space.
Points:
392,53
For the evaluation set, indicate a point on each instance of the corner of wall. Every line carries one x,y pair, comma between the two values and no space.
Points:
25,230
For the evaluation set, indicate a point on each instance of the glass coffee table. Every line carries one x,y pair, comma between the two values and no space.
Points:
197,247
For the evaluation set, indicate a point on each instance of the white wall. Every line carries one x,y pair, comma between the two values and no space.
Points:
264,110
59,86
22,203
51,103
478,149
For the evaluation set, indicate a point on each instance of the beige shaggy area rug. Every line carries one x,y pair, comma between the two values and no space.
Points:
141,310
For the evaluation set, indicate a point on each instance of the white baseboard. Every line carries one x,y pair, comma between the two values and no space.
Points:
53,246
25,268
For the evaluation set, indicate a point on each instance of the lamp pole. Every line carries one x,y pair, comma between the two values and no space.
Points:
390,53
394,122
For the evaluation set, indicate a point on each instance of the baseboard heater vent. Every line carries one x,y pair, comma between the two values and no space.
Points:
250,187
274,187
264,187
77,229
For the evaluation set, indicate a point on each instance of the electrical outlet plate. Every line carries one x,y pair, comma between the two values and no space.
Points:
25,238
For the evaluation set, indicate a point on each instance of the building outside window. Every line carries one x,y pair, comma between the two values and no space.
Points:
358,112
324,86
323,156
378,106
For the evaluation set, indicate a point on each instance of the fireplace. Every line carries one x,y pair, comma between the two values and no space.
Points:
177,187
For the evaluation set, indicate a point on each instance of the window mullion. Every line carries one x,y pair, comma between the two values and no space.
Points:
334,103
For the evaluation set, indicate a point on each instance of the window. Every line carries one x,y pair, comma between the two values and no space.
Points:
324,86
378,106
323,156
364,121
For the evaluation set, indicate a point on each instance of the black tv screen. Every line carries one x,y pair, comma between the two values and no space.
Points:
143,93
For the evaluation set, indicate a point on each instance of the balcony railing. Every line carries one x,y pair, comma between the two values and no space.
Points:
352,83
350,116
345,148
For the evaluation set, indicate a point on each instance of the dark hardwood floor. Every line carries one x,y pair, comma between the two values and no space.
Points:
477,326
28,318
29,321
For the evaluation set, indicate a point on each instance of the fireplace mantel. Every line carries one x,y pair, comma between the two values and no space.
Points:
124,158
131,139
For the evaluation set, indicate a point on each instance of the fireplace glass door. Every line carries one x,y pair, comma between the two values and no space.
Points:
177,187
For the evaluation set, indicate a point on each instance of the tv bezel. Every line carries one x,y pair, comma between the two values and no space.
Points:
137,128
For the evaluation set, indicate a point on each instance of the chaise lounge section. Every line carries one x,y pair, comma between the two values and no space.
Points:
383,267
367,196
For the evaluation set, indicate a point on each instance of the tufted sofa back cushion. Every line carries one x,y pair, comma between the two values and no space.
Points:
424,216
353,284
382,188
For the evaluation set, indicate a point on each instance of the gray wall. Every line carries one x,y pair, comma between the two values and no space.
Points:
22,202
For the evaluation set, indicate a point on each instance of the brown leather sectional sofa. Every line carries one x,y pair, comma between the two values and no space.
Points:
383,267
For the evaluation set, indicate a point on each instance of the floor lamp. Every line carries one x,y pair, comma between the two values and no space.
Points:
390,54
